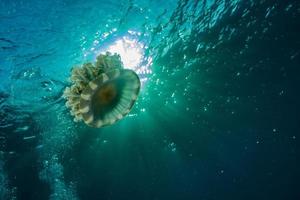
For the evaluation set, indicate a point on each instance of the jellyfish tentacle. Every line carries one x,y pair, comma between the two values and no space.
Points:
89,69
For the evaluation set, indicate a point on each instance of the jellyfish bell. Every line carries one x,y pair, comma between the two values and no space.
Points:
103,93
109,97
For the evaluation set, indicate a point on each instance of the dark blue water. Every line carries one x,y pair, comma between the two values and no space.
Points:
217,116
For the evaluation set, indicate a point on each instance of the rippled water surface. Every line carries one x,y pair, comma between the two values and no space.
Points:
217,116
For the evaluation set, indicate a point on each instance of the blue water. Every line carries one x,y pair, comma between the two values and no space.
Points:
217,116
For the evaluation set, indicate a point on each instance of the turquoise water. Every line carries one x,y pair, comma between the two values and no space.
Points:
217,116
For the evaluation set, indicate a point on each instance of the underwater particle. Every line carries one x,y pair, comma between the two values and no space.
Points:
103,93
19,129
172,146
29,137
288,7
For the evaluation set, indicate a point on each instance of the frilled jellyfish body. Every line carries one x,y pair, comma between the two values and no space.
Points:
103,93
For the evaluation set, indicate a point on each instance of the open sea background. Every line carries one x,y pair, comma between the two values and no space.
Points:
217,116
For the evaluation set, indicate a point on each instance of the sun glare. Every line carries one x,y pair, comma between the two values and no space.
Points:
131,52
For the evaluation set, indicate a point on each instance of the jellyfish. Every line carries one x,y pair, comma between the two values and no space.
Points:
102,93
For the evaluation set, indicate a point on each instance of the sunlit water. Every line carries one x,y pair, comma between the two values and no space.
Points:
217,116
